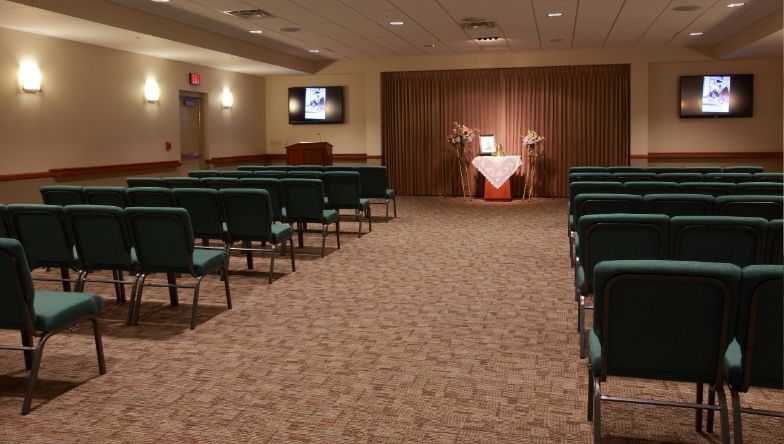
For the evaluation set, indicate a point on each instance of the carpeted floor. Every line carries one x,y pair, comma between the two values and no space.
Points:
454,322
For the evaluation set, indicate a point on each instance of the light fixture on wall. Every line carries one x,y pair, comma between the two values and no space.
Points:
30,77
152,92
227,98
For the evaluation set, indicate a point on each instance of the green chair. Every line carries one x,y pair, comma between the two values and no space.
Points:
251,168
743,169
587,169
319,168
664,169
766,207
46,238
199,174
219,183
269,174
272,186
710,188
62,195
206,213
591,176
701,169
774,248
768,177
649,187
150,197
344,192
181,182
305,174
768,188
163,240
728,177
754,358
374,183
577,188
663,320
634,176
147,182
603,203
100,195
236,174
249,218
604,237
280,168
625,169
679,204
735,240
4,231
305,203
679,177
332,168
103,242
39,314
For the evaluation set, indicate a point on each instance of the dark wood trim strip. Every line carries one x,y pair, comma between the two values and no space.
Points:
238,159
354,156
712,155
106,169
24,176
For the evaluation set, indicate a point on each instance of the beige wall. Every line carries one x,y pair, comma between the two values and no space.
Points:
92,111
653,108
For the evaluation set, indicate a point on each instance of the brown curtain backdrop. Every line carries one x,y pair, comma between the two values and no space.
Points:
582,111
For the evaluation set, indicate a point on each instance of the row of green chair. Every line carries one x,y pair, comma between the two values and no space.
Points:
677,177
138,241
616,236
665,169
697,322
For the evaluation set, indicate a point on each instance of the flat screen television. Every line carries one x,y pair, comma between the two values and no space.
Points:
316,104
717,95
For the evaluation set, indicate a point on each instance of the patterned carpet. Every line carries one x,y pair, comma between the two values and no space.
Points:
454,322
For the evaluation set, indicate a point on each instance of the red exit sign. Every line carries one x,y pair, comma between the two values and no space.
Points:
194,78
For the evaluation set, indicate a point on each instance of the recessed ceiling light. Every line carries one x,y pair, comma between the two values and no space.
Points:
735,5
432,45
695,33
554,14
397,23
313,51
161,1
255,31
556,40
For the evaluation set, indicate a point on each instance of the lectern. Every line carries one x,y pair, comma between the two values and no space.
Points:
309,153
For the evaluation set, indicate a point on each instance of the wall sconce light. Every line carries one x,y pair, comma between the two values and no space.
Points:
152,93
227,99
30,77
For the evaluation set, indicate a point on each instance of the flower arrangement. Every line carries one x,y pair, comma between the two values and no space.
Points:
460,134
532,138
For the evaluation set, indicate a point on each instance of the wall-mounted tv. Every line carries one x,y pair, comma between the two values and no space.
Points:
717,95
316,104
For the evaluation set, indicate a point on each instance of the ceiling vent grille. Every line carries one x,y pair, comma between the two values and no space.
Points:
488,39
478,25
249,14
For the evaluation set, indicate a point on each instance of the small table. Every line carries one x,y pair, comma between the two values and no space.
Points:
497,170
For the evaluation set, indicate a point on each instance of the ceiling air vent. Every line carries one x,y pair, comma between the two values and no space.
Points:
482,24
249,14
487,39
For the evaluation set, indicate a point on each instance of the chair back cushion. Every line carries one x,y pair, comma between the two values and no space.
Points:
768,177
769,188
649,187
163,239
633,176
735,240
774,250
4,230
304,199
198,174
219,183
248,213
44,233
764,206
16,286
591,176
205,210
150,197
728,177
182,182
575,188
666,320
343,189
101,235
743,169
604,203
373,181
100,195
272,186
154,182
62,195
679,204
711,188
679,177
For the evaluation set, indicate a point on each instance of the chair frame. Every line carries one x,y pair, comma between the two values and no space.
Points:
33,353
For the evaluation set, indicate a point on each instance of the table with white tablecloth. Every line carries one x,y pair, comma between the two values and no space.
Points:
497,170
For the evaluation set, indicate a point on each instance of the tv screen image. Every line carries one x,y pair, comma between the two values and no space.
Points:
315,104
717,95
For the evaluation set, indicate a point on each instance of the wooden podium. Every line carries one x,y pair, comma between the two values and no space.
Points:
309,153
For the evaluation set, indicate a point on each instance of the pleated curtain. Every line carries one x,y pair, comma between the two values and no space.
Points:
582,111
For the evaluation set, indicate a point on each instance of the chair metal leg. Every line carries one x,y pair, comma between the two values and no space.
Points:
597,411
272,262
589,401
132,301
387,214
724,415
80,278
394,205
98,346
33,376
737,421
711,401
293,266
135,308
359,219
323,238
337,231
65,274
121,286
370,219
299,234
195,302
27,341
172,280
698,412
225,274
248,254
581,325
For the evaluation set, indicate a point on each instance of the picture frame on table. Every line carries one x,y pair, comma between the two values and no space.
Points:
487,145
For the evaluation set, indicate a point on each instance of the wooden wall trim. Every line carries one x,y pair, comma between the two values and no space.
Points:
712,155
85,171
267,158
237,159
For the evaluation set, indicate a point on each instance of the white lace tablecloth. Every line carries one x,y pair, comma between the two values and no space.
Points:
497,169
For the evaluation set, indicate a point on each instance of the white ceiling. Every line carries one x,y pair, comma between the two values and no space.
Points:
358,29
